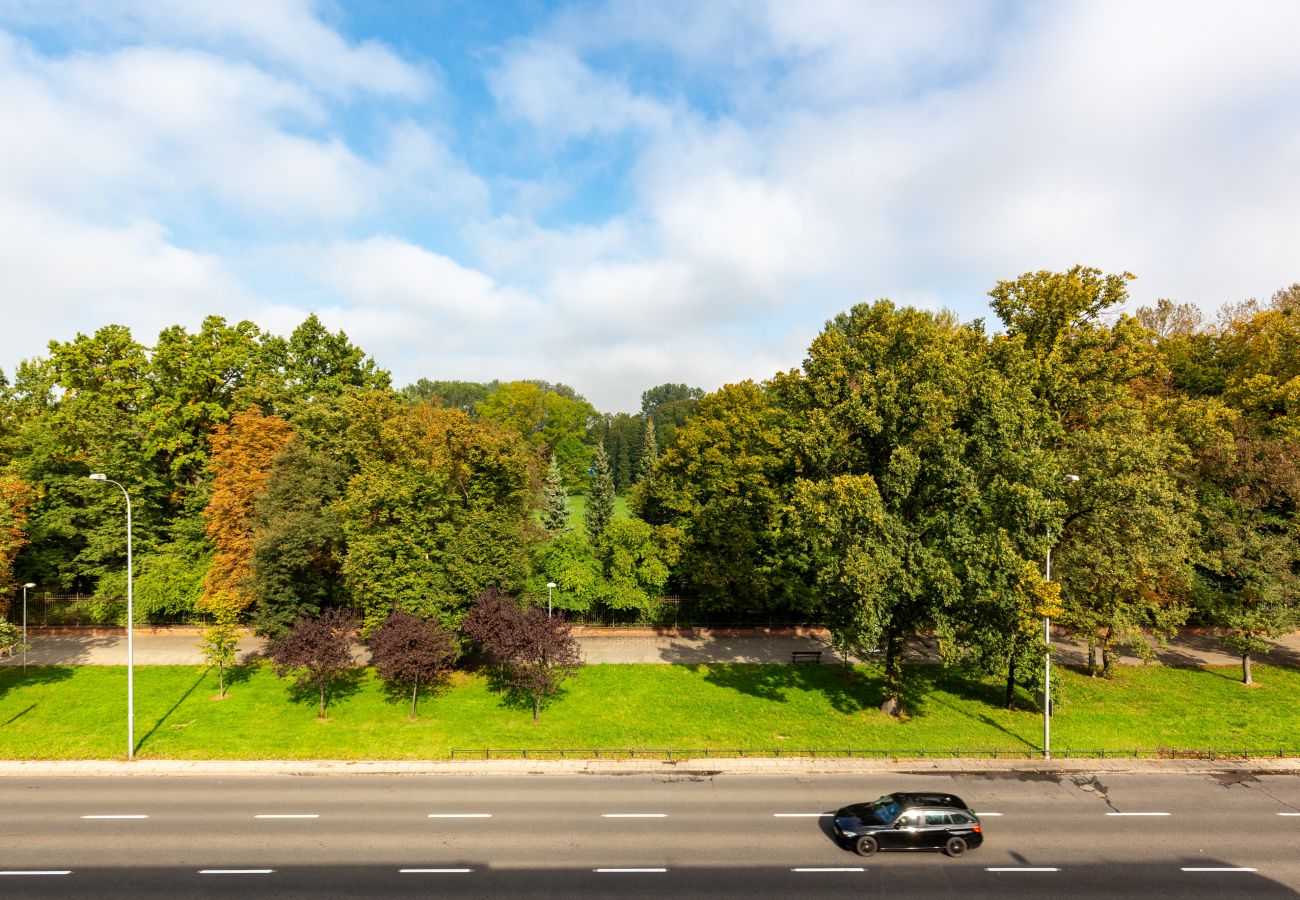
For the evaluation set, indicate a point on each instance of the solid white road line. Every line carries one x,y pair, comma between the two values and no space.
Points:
1137,814
287,816
38,872
1216,869
1289,814
829,869
115,817
434,871
800,815
634,815
236,871
987,814
1021,869
624,871
460,815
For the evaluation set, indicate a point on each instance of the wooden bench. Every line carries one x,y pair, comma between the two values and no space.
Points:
809,656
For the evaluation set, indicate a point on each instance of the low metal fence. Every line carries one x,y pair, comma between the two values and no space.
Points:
860,753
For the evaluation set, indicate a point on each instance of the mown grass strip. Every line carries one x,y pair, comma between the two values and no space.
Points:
79,713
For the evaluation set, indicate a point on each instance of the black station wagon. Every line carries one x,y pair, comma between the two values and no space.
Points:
909,821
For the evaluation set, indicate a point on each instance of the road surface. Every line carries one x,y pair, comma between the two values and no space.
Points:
1150,836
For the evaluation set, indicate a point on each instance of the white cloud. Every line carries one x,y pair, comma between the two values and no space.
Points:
283,33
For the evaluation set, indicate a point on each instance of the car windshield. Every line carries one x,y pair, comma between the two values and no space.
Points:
886,809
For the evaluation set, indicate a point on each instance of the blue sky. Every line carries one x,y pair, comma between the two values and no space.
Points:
619,194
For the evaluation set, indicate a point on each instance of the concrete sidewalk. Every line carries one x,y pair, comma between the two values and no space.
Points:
180,646
992,768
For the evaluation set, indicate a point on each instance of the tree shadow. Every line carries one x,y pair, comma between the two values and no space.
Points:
399,694
14,678
926,685
342,687
512,696
848,692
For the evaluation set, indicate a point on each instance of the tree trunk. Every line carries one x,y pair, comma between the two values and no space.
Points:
537,707
1105,661
1011,682
1245,668
221,680
415,689
1092,656
893,686
322,700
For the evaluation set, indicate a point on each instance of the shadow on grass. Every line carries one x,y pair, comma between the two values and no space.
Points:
848,690
512,696
400,694
13,678
344,686
167,715
928,686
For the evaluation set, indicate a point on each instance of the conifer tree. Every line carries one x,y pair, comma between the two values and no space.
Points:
649,454
600,496
555,500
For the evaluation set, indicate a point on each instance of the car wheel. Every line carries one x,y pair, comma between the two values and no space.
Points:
866,845
955,847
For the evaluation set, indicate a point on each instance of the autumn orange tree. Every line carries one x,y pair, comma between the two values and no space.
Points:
242,455
15,501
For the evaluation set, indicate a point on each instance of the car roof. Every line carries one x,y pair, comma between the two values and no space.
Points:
913,799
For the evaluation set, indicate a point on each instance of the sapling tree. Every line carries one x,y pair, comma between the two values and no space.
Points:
316,651
408,652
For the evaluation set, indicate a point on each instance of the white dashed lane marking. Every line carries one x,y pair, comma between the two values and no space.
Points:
830,869
800,815
1021,869
116,817
634,815
236,871
287,816
1216,869
460,815
37,872
625,871
1137,814
434,871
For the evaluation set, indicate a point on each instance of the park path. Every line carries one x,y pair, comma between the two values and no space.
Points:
179,646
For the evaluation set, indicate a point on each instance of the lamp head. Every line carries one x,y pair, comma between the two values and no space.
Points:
1070,479
99,476
30,584
551,584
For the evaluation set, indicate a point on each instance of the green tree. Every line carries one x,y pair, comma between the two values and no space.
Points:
600,497
439,509
299,545
555,500
551,419
649,454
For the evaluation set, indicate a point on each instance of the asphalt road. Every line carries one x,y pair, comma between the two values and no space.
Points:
681,836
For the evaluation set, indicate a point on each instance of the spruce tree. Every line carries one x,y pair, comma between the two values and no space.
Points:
649,455
600,496
555,500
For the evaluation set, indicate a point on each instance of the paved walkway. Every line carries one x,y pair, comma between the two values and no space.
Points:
180,646
993,768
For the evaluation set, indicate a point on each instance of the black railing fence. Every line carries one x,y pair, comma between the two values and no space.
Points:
614,753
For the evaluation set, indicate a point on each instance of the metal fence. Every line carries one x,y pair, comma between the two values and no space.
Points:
859,753
46,609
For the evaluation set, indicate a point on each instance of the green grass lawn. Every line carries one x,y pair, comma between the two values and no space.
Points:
578,508
79,713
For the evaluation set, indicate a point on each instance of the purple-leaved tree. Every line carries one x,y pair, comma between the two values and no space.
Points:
408,652
534,653
315,651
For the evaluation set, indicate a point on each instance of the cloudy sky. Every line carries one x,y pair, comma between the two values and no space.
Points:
619,194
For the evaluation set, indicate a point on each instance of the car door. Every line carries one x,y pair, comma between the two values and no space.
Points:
934,830
906,832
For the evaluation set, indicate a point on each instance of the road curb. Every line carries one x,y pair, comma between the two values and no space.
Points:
675,768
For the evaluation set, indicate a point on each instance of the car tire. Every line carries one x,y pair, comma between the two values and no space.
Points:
866,845
955,847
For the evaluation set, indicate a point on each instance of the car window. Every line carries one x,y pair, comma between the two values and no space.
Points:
909,820
962,819
937,818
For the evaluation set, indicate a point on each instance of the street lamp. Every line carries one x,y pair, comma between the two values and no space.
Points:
30,584
130,621
550,586
1047,657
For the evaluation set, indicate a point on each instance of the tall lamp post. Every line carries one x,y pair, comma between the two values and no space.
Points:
1047,657
30,584
550,586
130,622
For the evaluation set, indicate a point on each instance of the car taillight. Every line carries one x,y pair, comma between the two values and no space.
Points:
976,829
